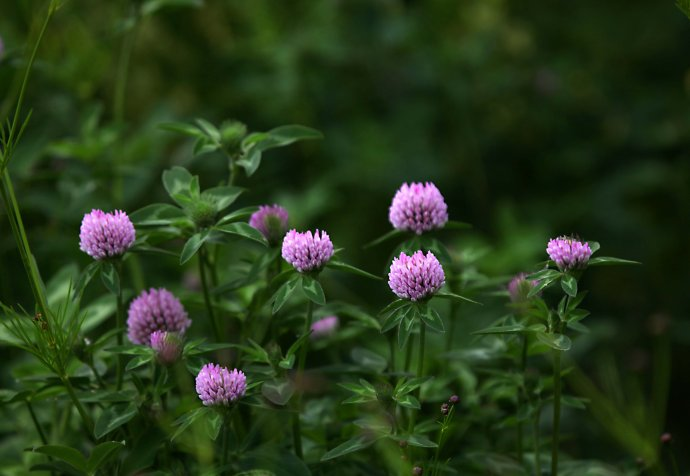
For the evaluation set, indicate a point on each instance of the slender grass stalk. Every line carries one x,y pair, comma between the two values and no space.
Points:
420,357
296,424
120,324
86,418
555,436
207,296
122,73
39,430
535,436
391,347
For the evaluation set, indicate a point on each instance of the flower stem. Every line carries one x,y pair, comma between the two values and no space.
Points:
521,400
207,295
420,371
119,324
535,430
556,412
296,424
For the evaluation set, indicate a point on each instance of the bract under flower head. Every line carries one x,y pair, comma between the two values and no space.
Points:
416,277
418,207
106,235
306,251
216,385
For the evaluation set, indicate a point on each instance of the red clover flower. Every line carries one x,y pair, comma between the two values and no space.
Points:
415,277
216,385
568,253
418,207
106,235
271,221
155,310
168,346
306,251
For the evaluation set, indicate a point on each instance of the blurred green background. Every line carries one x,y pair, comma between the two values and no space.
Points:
533,118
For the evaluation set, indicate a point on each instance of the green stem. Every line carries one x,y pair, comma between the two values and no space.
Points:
86,418
420,371
391,346
225,443
44,440
408,356
207,295
119,324
535,431
296,424
556,412
521,400
123,70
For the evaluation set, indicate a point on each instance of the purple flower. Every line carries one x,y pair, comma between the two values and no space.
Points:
415,277
568,253
307,252
454,399
324,327
217,385
271,221
418,207
155,310
519,288
168,346
105,235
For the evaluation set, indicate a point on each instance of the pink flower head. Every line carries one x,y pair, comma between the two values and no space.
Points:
568,253
168,346
519,287
307,251
106,235
216,385
415,277
418,207
155,310
271,221
324,327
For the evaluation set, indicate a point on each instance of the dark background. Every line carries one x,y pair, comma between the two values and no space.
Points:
533,118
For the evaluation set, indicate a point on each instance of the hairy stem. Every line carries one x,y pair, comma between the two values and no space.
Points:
120,324
556,412
207,295
296,424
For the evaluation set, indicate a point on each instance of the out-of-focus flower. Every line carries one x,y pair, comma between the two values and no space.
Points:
445,409
417,471
454,400
271,221
324,327
418,207
415,277
155,310
168,346
106,235
216,385
519,288
307,251
568,253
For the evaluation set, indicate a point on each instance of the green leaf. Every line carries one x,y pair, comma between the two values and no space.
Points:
278,392
213,425
407,386
85,277
542,284
222,197
152,6
284,292
64,453
381,239
110,278
285,135
398,303
102,453
192,245
569,285
178,127
555,341
114,417
137,362
431,318
242,230
210,130
177,182
395,317
369,360
157,214
420,441
187,419
405,328
408,401
609,261
350,446
237,215
509,329
340,266
543,274
313,290
454,297
457,225
594,246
